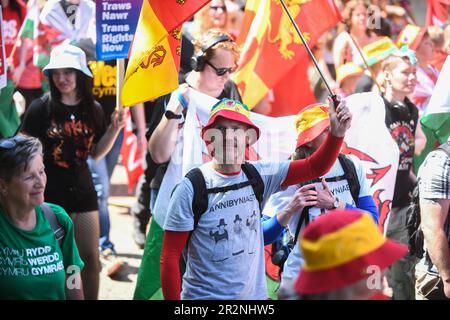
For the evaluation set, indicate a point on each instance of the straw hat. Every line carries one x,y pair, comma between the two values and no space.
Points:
347,70
379,50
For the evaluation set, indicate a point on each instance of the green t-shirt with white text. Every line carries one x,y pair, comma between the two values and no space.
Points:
32,264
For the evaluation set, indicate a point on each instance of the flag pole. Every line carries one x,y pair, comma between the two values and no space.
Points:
308,49
120,63
365,61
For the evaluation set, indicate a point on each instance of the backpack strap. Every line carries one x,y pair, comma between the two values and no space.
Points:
304,218
200,198
445,147
350,174
256,181
50,215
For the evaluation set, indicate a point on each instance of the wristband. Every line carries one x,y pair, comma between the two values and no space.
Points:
182,100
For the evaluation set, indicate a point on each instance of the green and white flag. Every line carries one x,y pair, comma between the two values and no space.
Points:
436,121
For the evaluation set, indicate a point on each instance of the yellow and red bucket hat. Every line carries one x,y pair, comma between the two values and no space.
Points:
339,247
311,122
232,110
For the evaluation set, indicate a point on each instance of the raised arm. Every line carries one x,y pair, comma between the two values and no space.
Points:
163,140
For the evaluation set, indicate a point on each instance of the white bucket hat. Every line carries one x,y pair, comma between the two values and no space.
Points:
67,56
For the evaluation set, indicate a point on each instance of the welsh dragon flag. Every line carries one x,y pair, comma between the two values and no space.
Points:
277,142
369,139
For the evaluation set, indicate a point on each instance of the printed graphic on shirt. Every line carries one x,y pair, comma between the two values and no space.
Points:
29,262
238,240
252,224
220,236
232,243
72,142
402,133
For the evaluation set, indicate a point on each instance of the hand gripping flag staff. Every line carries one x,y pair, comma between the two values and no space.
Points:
333,96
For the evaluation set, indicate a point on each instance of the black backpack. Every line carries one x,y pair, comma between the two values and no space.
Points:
200,198
350,175
413,220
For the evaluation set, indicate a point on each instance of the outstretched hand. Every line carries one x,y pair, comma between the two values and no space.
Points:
340,117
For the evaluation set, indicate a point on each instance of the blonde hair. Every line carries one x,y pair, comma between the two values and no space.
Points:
447,39
227,45
389,65
436,35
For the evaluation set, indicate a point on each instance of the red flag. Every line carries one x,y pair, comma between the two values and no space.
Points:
437,12
131,154
293,92
272,47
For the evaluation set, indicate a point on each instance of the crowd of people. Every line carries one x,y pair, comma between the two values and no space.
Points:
58,154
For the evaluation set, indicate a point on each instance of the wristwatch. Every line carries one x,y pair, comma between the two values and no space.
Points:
171,115
336,203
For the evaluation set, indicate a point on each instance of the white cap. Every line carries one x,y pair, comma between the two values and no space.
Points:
67,56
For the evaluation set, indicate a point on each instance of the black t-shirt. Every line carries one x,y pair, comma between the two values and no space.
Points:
67,145
401,121
154,172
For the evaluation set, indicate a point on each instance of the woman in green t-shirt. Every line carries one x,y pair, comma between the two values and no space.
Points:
33,263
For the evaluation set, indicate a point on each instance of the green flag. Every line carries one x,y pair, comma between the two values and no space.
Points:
436,121
148,285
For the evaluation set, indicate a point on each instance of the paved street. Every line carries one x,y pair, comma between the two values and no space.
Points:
121,286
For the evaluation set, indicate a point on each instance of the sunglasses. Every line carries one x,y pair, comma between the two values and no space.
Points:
11,142
220,71
215,8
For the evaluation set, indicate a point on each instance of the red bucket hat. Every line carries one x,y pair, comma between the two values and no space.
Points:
338,247
311,122
232,110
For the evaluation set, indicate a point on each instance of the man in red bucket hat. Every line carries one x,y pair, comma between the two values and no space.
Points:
345,256
223,188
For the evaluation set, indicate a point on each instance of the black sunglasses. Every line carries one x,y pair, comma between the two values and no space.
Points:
10,143
215,8
219,71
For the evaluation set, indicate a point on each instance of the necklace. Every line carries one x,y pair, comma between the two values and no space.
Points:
71,110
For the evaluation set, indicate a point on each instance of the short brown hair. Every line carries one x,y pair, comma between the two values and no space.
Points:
16,159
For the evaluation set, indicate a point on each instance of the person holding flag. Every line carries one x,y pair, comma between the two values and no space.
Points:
228,182
216,57
345,186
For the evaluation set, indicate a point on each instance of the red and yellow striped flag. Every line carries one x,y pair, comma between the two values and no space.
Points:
272,47
154,58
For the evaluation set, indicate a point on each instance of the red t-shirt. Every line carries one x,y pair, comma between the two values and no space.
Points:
12,22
